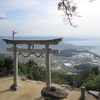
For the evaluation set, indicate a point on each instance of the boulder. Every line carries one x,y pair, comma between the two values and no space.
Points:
54,93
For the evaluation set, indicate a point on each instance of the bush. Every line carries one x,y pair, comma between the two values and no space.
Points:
6,66
32,70
92,83
59,78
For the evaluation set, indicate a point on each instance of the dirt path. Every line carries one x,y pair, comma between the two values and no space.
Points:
31,91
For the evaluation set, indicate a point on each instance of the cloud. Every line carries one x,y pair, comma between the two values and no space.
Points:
2,15
18,4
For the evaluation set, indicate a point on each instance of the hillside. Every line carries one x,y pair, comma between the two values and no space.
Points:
71,52
31,91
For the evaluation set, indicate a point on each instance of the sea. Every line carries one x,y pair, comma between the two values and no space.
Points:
95,44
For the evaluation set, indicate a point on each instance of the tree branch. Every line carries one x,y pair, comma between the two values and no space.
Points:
69,9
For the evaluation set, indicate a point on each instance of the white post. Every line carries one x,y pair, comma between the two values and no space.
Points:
48,67
15,86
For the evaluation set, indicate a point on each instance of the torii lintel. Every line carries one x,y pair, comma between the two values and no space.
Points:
48,41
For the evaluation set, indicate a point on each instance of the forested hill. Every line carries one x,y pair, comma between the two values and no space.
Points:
71,52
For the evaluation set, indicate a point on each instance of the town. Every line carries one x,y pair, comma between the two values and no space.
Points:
66,64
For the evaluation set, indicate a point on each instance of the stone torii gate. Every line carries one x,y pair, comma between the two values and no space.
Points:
30,48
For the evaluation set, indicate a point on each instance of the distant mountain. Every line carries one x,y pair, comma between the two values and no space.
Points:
71,52
61,46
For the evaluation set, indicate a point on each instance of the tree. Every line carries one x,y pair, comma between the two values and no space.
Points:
32,70
22,68
69,8
6,65
30,63
58,77
92,83
95,70
83,67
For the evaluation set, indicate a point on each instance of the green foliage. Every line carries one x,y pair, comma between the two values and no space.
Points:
95,70
2,56
32,70
36,73
59,78
6,65
74,78
22,68
83,67
92,83
31,63
84,74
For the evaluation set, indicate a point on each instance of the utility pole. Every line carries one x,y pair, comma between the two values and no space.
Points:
13,33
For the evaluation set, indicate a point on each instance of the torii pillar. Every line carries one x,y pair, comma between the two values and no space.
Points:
30,48
16,85
48,67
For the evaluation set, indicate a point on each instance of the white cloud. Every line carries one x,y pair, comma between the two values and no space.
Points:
2,15
18,4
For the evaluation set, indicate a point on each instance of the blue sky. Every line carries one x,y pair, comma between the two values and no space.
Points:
41,18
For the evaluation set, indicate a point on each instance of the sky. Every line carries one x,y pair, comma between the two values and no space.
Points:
42,18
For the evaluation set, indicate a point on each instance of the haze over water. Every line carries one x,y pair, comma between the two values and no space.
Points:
94,43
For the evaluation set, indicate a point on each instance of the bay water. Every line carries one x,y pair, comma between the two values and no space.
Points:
94,43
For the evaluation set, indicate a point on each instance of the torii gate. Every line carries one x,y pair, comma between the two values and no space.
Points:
30,48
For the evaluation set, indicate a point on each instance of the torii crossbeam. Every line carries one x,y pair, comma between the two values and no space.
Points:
31,48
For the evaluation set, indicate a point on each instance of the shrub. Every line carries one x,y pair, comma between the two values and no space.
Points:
92,83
